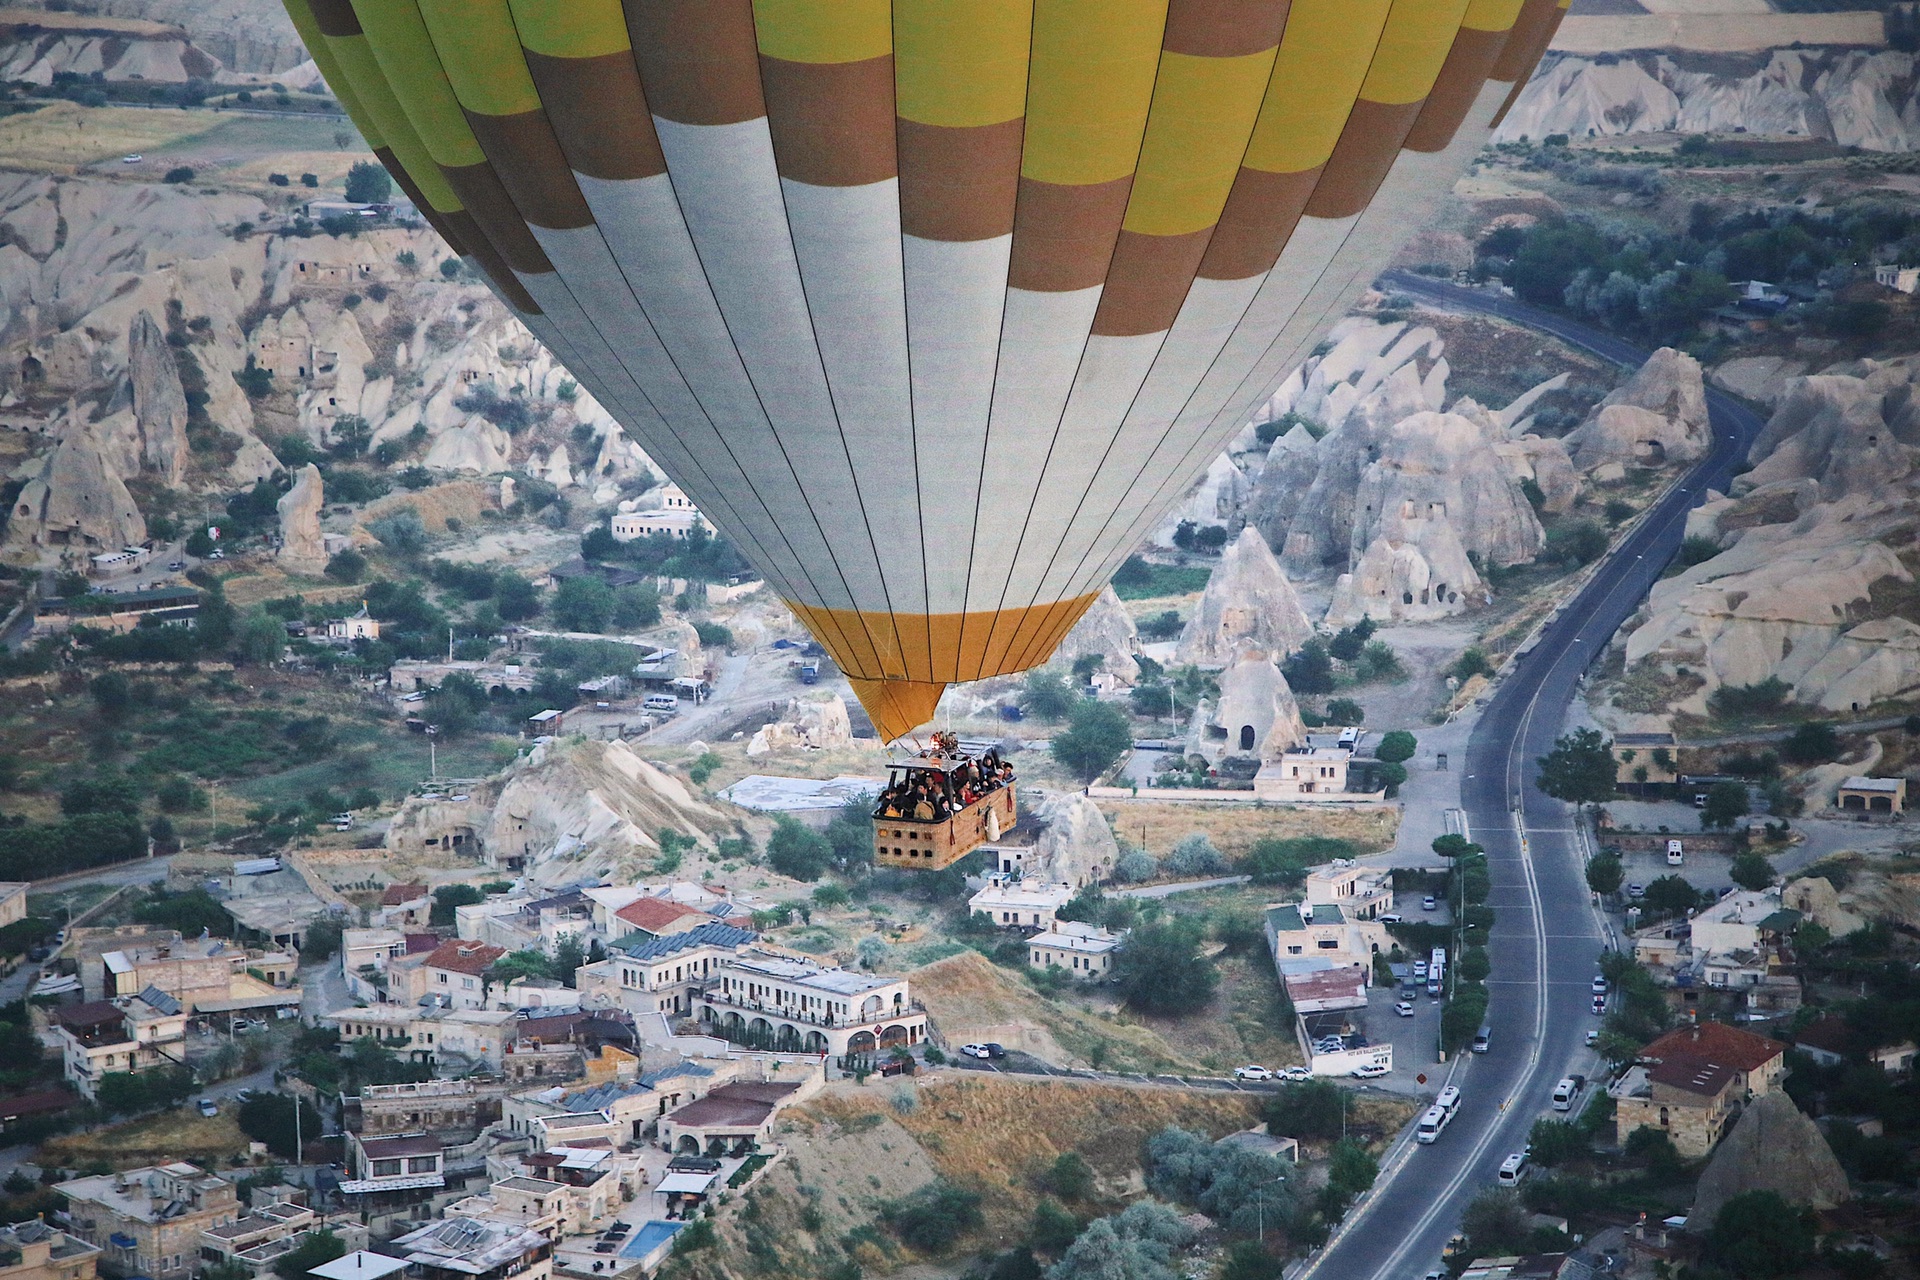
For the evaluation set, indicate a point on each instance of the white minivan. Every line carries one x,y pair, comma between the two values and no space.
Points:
662,702
1674,852
1566,1091
1513,1168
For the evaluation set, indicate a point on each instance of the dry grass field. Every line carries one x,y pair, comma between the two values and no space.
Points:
183,1134
1234,828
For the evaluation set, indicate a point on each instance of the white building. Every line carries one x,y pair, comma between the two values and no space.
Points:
1083,950
1305,930
1899,278
1361,893
1023,904
674,515
1734,923
1304,773
125,1034
660,974
798,1005
464,1248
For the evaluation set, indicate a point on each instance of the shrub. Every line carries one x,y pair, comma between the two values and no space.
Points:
1161,969
1814,742
796,851
1196,856
934,1217
179,174
1047,696
1396,747
1762,698
1097,735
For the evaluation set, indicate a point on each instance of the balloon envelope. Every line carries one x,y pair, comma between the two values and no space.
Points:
934,307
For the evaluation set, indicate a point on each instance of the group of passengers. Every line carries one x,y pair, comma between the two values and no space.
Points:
934,795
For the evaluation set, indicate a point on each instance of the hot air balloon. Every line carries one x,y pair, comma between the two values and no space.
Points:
933,306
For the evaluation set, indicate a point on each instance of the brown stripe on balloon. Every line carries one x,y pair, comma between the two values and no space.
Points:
1224,28
958,183
1063,234
1540,43
1360,160
1453,93
698,59
832,122
335,17
599,114
1261,212
404,180
528,161
473,243
479,189
1527,41
1147,282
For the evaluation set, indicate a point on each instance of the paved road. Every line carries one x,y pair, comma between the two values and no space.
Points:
1548,937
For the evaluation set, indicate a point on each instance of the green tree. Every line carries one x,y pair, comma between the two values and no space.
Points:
1310,669
1726,804
1671,895
447,898
316,1250
1046,695
1453,845
268,1118
515,597
1096,735
934,1217
1070,1177
1757,1236
1751,870
260,638
367,183
797,852
1250,1260
1604,873
582,604
1579,769
1307,1109
1345,711
347,565
1814,742
112,694
1576,542
1054,1228
635,607
1556,1142
1495,1223
1161,969
520,964
1396,747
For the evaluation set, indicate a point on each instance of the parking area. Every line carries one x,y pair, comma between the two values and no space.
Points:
1415,1040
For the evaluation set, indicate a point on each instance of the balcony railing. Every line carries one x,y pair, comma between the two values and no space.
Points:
716,996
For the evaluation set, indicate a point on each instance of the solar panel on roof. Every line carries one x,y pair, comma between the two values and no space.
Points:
160,1000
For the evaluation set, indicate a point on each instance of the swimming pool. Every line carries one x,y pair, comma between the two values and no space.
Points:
649,1237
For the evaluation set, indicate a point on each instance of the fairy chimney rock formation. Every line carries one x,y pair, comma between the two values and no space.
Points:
159,402
302,549
1248,603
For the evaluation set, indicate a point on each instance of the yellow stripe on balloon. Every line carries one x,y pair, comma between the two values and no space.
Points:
1090,87
1418,35
1203,111
1316,76
961,63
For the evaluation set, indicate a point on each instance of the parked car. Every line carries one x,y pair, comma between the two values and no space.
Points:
1252,1071
1404,1008
1636,891
1295,1074
1593,1038
176,565
1427,903
1391,917
208,1109
38,954
1420,970
994,1050
974,1050
1599,1006
1372,1071
244,1095
1599,986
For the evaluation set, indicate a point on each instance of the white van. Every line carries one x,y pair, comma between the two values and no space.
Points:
1436,1119
1673,853
1350,738
1565,1092
662,702
1513,1168
1449,1099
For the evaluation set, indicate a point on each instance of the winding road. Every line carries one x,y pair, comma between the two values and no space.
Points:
1548,936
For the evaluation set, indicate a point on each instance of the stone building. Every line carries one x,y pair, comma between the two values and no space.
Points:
149,1221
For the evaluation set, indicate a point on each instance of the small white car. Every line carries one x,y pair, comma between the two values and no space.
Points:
207,1108
974,1050
133,158
1420,970
1593,1038
1599,1006
1599,986
1404,1008
1427,903
1295,1073
1391,917
1252,1071
1372,1071
1636,891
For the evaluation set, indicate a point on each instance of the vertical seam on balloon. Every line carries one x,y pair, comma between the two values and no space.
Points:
1328,308
1026,521
1079,577
760,399
993,386
587,317
846,450
1120,427
692,456
913,408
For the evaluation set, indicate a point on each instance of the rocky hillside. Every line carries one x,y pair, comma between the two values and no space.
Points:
162,41
1852,97
1813,580
132,313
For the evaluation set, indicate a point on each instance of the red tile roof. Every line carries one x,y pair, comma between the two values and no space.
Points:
654,914
461,956
1716,1042
1695,1075
418,942
397,895
1829,1033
